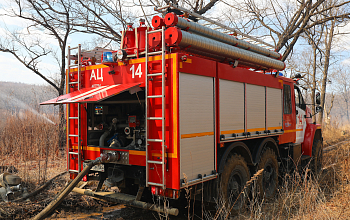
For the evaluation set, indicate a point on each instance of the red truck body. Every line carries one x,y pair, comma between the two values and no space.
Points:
212,111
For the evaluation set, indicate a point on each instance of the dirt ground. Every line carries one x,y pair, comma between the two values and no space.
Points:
75,206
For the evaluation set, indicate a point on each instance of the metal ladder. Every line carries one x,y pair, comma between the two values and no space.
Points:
77,118
149,118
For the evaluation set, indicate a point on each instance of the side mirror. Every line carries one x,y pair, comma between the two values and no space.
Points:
318,98
318,109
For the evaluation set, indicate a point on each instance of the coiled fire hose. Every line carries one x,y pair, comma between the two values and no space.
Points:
104,158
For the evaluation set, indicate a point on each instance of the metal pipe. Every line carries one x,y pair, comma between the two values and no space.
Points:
102,138
223,59
172,19
187,40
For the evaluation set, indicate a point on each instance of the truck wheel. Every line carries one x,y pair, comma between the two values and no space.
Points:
267,182
234,177
317,156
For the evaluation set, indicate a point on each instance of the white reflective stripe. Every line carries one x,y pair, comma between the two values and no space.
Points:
86,93
92,94
80,95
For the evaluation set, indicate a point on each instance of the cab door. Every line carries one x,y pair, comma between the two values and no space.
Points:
300,108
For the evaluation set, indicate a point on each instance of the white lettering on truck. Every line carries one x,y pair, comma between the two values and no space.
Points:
96,76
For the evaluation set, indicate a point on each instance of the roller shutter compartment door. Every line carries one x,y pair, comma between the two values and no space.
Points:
231,108
255,98
197,144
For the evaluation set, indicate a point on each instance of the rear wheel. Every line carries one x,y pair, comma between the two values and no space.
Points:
317,156
233,181
268,181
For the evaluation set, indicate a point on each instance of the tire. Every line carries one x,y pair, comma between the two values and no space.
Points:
268,182
233,180
317,156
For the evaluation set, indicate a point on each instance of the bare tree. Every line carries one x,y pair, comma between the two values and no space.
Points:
343,88
106,18
285,22
42,16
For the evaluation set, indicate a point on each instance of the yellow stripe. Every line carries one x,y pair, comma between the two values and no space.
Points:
196,135
133,152
87,148
255,129
293,130
273,128
136,152
175,110
281,81
158,155
232,131
140,60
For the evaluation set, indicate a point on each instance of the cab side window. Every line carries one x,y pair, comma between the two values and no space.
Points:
299,101
287,100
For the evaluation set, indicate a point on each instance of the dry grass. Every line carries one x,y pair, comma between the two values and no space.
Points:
333,134
29,143
305,196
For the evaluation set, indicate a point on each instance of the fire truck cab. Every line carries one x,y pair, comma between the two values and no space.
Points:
178,108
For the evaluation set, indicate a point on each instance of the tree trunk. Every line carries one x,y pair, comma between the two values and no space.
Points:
61,129
328,43
313,88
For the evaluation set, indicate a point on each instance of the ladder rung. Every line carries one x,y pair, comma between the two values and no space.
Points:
155,74
156,31
155,140
154,118
155,184
73,83
73,65
75,153
155,52
73,117
73,135
155,162
76,171
73,48
154,96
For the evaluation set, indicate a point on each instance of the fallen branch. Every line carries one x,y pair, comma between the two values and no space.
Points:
39,189
329,148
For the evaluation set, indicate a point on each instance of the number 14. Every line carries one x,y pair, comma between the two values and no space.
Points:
138,71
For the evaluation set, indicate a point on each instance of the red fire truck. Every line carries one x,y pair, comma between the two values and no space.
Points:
181,104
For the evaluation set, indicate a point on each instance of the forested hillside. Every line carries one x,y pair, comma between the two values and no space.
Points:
18,97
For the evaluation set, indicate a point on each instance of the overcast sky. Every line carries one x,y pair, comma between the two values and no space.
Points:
14,71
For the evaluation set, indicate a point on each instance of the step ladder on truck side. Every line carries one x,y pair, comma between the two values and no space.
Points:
152,142
74,138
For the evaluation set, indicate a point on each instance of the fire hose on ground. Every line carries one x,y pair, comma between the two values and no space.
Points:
58,199
119,197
